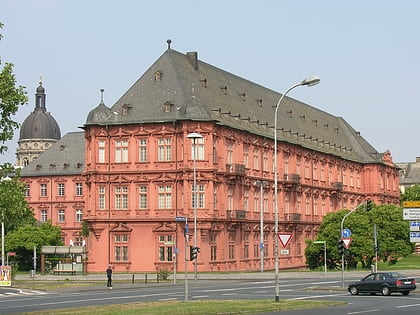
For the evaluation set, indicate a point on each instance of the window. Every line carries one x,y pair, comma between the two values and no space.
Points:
143,150
165,247
246,246
102,198
197,146
231,246
101,151
121,250
79,215
121,198
199,193
165,149
213,246
43,190
61,216
27,191
121,151
143,197
79,189
60,188
256,245
230,199
165,197
256,160
229,153
44,216
215,196
246,156
246,199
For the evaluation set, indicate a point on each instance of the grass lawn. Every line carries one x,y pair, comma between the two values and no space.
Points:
195,308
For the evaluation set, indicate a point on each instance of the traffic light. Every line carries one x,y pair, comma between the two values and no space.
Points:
341,247
194,252
368,205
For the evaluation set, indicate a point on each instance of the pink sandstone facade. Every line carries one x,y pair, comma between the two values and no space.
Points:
138,175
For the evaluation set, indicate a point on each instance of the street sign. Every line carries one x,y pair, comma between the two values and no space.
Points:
411,213
284,238
415,237
346,233
414,226
284,252
180,219
347,242
411,204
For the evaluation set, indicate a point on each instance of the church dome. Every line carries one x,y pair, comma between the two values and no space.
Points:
40,124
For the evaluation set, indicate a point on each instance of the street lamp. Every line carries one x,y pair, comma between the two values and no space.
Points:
194,136
311,81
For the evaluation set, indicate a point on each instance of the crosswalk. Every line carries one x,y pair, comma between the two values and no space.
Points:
20,292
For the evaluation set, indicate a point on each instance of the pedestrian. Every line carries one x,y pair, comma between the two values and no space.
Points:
109,276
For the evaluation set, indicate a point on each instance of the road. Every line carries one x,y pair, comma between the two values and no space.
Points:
15,301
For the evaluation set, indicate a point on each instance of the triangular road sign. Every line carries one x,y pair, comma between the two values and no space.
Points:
284,238
347,242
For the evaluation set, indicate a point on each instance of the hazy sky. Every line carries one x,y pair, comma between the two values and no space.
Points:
366,53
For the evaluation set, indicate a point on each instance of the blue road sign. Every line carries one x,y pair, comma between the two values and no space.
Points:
346,233
180,219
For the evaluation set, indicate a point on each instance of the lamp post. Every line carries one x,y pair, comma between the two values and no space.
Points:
261,184
311,81
194,136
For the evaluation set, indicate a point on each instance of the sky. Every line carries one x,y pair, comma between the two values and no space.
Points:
365,52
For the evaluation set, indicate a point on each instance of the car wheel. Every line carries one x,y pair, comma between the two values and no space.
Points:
354,290
385,290
405,292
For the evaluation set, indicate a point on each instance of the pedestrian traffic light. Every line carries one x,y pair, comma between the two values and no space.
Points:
194,252
368,205
341,247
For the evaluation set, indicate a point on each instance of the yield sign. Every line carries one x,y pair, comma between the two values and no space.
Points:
347,242
284,238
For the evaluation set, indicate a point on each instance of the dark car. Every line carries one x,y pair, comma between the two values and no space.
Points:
383,282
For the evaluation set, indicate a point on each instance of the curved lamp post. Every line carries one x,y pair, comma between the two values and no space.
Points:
194,136
311,81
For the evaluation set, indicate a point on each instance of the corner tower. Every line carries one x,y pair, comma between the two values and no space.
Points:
38,132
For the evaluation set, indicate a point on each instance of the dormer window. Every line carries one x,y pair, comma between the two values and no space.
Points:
167,106
158,75
125,108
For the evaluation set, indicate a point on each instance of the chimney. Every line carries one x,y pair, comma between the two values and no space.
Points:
193,58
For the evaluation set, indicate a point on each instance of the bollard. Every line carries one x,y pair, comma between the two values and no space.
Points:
132,279
157,278
145,278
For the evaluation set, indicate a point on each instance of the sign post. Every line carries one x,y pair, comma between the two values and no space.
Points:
184,219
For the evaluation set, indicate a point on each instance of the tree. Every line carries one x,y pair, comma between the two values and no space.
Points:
13,206
25,238
393,236
411,194
11,97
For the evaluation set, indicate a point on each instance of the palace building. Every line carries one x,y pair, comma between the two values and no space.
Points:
134,173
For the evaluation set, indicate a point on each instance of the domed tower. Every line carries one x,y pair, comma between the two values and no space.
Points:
38,132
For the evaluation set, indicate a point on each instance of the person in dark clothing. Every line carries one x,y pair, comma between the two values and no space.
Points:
109,276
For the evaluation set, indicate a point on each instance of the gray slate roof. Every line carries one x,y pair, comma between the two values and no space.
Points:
195,90
409,172
65,157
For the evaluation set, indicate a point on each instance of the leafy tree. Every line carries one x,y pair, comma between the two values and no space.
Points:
25,238
392,234
11,97
13,206
411,194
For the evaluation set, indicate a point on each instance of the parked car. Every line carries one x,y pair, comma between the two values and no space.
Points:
383,282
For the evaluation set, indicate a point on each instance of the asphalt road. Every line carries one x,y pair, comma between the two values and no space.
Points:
13,300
